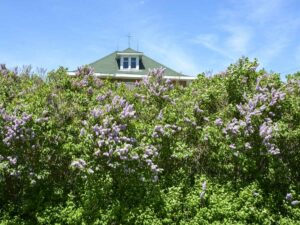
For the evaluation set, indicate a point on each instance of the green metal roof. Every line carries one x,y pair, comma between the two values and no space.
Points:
129,50
110,64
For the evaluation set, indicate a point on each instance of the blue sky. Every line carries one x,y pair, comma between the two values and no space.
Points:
190,36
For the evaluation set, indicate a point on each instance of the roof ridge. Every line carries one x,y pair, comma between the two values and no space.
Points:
129,50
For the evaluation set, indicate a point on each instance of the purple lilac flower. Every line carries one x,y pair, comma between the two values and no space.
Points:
84,71
3,70
101,97
247,145
16,128
82,132
289,196
197,109
97,112
160,115
79,164
232,146
128,111
155,84
135,157
12,160
219,122
158,130
295,202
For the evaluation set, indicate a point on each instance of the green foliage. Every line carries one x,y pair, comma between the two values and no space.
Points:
80,150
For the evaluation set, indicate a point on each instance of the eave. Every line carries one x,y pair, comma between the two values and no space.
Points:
137,76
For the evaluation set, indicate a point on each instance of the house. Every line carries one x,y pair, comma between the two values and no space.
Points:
130,65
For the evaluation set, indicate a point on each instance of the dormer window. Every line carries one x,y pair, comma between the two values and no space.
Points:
133,63
125,63
129,63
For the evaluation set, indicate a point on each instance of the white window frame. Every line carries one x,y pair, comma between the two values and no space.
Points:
129,63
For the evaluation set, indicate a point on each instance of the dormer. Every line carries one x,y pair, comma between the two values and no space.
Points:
129,59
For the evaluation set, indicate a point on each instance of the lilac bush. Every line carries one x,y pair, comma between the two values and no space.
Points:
108,129
79,150
256,117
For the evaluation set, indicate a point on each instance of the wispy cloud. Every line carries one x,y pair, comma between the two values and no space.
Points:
251,28
234,42
262,11
169,53
238,39
212,42
166,48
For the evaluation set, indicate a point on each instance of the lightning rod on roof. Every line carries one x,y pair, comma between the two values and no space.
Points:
129,37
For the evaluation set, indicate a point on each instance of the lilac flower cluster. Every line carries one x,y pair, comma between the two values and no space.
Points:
117,105
156,85
112,144
79,164
293,85
219,122
82,83
103,97
107,129
160,115
165,130
260,104
84,71
150,153
12,160
3,70
189,121
198,110
289,197
141,97
265,132
109,133
15,128
128,111
10,163
233,128
43,118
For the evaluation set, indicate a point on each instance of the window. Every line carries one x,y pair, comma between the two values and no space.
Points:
125,63
133,63
129,63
